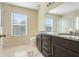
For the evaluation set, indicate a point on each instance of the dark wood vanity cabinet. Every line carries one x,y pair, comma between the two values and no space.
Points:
43,43
62,52
54,46
46,45
39,42
64,47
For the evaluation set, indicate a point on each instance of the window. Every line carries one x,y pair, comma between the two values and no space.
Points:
62,25
77,23
18,24
48,24
59,25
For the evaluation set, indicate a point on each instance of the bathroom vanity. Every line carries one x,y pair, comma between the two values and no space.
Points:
51,45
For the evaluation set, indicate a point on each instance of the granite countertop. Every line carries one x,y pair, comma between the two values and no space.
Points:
70,37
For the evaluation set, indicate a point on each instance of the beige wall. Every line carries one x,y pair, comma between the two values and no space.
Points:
0,13
42,12
0,33
6,20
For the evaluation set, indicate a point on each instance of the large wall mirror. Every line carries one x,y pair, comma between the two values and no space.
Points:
63,19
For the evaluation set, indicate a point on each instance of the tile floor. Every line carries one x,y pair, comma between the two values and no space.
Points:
24,50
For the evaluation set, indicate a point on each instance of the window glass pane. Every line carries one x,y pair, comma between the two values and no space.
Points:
59,26
48,24
22,30
62,25
18,18
48,28
77,23
16,32
16,29
48,21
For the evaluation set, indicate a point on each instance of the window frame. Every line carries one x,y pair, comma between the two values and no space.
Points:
12,17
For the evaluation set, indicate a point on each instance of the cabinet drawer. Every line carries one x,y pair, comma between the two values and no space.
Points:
46,42
62,52
47,36
46,53
68,44
46,46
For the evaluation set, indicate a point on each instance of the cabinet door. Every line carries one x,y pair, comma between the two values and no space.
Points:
62,52
38,42
68,44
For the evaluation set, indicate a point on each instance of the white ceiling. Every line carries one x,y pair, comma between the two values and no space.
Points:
30,5
65,8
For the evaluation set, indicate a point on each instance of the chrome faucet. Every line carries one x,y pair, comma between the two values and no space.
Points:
76,33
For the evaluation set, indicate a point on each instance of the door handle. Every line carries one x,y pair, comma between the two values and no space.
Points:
2,36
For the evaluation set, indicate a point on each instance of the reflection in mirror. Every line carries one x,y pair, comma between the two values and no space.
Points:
48,24
63,19
77,23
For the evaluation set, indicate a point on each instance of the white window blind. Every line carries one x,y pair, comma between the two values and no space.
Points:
18,24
